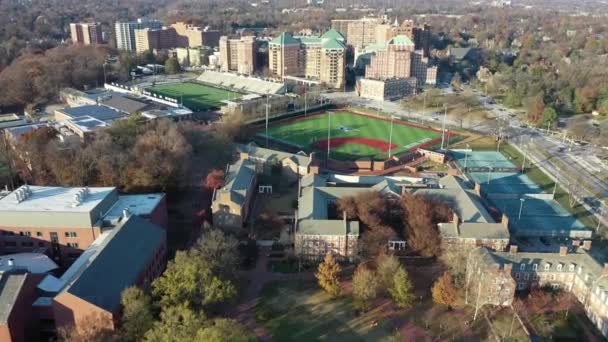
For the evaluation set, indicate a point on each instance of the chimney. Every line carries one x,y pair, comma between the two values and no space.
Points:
563,250
576,243
508,267
513,249
455,218
11,262
587,245
505,220
478,189
126,213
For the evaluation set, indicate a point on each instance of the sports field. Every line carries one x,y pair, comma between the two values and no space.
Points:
352,135
195,96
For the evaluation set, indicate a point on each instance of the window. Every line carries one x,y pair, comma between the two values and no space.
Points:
516,275
526,276
39,234
25,233
72,244
522,267
571,267
547,266
555,286
559,267
71,234
535,267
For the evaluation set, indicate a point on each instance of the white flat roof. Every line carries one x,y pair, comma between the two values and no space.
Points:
54,199
140,205
33,262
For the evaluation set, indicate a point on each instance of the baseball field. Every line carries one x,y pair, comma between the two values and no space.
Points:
195,96
352,136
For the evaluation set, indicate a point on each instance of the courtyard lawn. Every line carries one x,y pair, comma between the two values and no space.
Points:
300,311
195,96
353,136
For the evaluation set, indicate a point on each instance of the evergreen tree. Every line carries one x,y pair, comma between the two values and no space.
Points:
328,275
401,289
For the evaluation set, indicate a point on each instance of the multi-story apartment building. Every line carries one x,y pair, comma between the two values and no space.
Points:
195,36
86,33
155,39
125,32
66,221
319,58
573,269
238,54
398,58
358,32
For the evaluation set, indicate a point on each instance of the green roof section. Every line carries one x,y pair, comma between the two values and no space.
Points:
118,262
401,40
285,39
333,34
333,44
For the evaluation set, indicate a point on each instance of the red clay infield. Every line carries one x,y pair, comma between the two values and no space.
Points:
375,143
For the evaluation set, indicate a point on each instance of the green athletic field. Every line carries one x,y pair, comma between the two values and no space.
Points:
353,136
197,97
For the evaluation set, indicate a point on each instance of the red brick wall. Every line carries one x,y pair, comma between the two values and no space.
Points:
71,311
20,320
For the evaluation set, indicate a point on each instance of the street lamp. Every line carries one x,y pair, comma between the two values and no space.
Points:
489,174
521,206
445,114
466,156
390,138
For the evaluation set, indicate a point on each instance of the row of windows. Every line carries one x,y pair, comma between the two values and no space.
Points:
547,267
38,234
23,244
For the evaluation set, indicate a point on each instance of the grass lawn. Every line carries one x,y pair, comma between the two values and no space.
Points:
353,136
300,311
197,97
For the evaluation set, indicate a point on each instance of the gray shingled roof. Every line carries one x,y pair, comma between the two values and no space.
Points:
118,263
124,104
10,286
238,179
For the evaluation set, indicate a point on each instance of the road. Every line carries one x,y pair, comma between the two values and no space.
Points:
576,168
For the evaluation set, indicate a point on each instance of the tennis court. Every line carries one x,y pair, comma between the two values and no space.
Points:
514,192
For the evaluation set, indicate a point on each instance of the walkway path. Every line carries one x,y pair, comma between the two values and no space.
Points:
254,281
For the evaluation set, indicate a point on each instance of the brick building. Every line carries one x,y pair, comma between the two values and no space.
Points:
188,35
231,204
574,269
86,33
155,39
318,58
66,221
238,54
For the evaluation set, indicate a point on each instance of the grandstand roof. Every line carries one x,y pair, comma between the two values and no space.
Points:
241,83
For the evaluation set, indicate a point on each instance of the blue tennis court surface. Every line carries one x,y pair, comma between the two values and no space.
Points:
540,214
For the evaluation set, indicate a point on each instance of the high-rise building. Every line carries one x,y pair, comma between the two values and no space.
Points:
398,59
125,32
318,58
238,54
195,36
86,33
155,39
357,32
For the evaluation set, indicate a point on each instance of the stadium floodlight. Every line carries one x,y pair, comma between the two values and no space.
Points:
390,138
521,206
328,133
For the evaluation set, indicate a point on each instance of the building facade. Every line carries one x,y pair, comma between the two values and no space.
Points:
238,55
125,32
195,36
319,58
86,33
231,204
386,90
155,39
66,221
574,269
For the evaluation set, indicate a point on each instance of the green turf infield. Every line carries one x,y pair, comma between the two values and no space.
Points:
195,96
353,135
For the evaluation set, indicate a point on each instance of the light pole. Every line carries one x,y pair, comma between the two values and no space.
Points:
390,138
305,108
445,114
328,133
104,74
466,157
267,106
521,206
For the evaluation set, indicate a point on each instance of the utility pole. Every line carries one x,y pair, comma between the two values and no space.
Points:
445,114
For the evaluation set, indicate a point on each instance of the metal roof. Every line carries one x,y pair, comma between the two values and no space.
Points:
95,111
11,284
117,263
239,177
